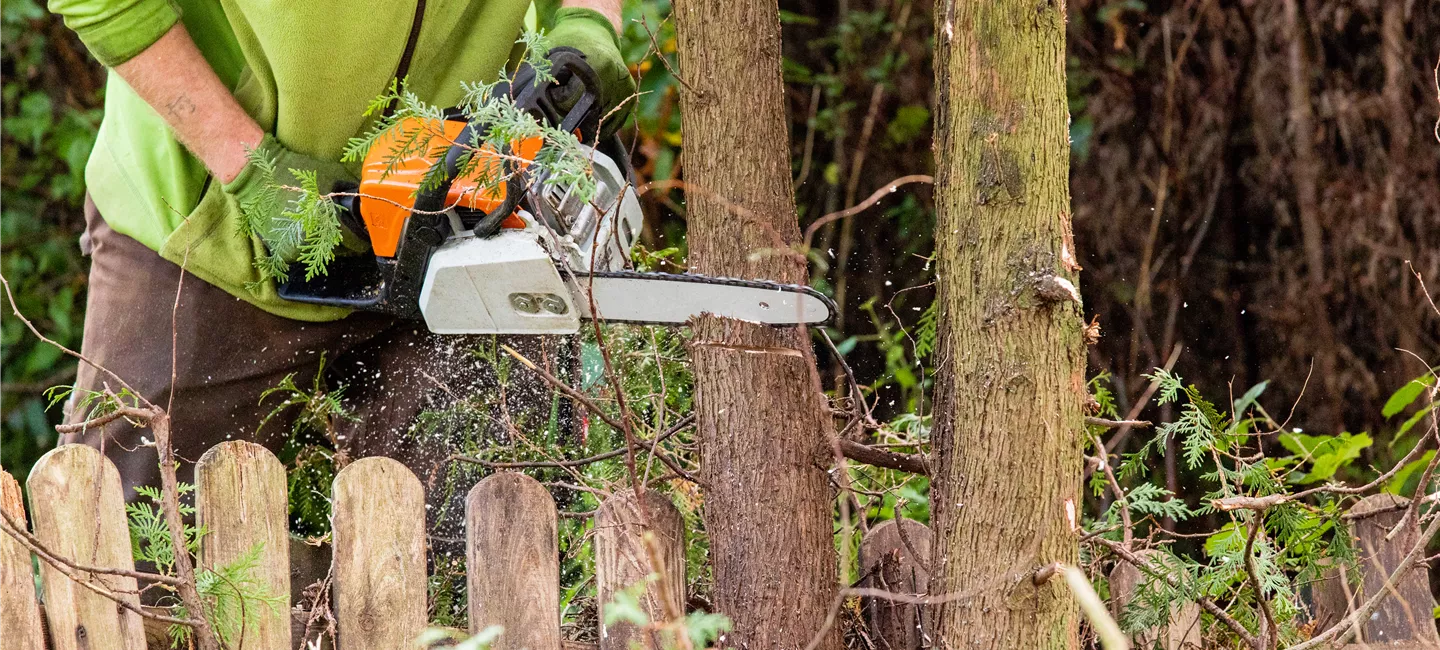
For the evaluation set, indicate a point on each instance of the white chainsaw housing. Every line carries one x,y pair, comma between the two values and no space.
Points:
505,284
509,283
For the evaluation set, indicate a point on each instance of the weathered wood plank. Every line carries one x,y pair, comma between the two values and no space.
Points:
513,561
895,556
379,555
1404,617
1183,630
19,611
623,558
241,501
79,514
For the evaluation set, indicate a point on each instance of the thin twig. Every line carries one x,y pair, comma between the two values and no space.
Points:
1270,630
1128,527
1115,424
564,388
15,309
29,541
64,567
863,205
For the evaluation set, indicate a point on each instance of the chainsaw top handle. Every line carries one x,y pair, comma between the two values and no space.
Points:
574,85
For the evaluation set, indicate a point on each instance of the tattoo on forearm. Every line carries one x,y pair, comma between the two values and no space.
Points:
181,106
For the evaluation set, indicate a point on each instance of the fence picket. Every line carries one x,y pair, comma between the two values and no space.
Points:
241,501
379,555
622,559
82,517
513,561
1406,615
895,556
19,611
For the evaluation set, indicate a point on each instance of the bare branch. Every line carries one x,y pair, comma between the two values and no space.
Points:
913,463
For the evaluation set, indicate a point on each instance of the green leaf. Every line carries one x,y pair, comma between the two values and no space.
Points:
1398,482
1414,420
1249,397
1407,394
1327,454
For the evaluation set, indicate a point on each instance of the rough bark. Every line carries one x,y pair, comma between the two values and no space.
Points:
765,435
1011,362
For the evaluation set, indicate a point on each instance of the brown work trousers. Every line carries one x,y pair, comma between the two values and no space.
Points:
228,352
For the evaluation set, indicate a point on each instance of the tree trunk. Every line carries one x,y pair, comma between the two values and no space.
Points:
1010,371
764,429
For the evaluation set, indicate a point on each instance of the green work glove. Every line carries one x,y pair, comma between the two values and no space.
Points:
590,32
267,207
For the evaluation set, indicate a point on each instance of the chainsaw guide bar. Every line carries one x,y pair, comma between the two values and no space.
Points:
675,298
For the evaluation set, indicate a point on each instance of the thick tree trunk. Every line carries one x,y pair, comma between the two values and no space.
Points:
1011,364
764,430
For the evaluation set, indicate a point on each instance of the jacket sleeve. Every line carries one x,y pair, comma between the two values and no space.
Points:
116,30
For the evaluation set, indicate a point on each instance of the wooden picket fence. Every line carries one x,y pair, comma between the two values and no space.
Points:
379,566
378,559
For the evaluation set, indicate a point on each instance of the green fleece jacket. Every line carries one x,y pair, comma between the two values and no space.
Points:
304,69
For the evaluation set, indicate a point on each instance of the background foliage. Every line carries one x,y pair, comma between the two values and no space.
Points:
1187,182
52,95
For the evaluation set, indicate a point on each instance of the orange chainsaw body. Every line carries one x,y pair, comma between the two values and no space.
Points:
388,187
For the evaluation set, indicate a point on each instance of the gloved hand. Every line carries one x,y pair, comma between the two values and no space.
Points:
264,204
590,32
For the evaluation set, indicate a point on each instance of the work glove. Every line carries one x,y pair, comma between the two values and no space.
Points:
592,34
264,204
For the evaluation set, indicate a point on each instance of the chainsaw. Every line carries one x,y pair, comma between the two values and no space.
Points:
521,256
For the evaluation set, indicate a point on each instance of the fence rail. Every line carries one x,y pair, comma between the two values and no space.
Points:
378,564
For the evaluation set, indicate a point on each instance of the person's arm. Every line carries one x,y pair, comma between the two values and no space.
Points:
175,79
608,8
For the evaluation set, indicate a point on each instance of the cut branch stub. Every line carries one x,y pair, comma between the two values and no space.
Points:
623,557
379,557
241,501
1405,616
84,520
895,556
513,562
19,612
1183,630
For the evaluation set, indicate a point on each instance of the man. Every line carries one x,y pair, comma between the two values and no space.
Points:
194,86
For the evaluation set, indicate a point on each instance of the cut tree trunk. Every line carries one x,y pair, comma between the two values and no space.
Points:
764,430
1010,372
